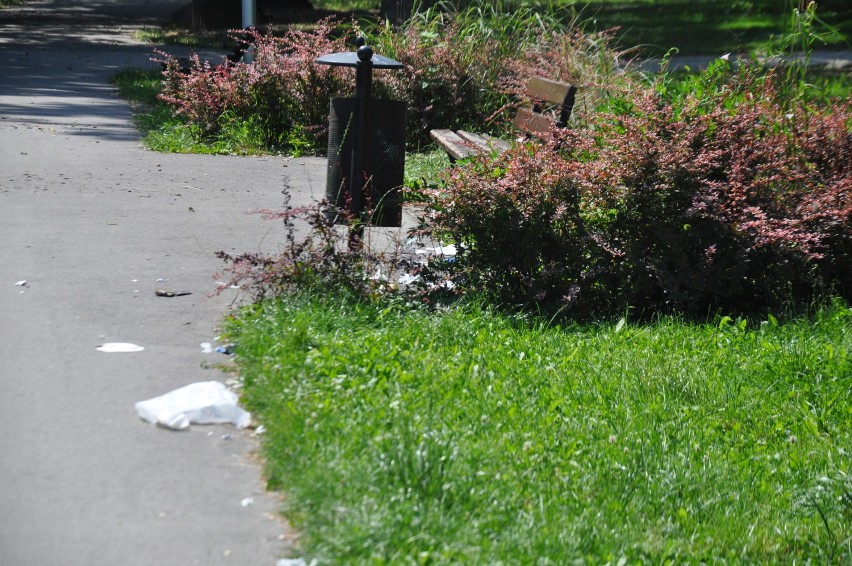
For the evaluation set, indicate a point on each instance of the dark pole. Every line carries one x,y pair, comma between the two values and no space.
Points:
363,84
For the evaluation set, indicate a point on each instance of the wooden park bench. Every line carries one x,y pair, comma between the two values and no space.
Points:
552,103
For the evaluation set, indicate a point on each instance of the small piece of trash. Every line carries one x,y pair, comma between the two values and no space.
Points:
21,283
440,250
160,280
207,348
295,562
205,402
227,349
408,279
227,436
259,430
119,347
725,57
247,501
170,293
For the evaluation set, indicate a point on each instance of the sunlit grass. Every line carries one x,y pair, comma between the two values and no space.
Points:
345,6
467,437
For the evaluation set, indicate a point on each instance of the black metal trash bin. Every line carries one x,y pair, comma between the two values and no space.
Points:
384,156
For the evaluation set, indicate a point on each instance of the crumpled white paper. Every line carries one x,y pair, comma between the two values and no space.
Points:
205,402
120,347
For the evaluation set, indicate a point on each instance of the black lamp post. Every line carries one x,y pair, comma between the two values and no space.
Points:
359,166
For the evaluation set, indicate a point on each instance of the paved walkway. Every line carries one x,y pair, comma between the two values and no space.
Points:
95,223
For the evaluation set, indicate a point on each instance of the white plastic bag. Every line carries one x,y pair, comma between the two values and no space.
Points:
205,402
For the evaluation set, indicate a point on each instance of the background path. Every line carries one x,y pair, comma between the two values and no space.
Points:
95,224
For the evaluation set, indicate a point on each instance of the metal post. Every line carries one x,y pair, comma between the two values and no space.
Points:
358,184
249,12
249,21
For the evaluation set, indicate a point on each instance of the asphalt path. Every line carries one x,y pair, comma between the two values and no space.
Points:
94,224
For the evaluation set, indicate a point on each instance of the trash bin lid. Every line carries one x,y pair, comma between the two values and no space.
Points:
350,59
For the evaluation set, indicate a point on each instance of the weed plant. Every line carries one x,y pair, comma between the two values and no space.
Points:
471,437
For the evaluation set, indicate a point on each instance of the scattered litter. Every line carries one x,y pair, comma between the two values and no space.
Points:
207,348
227,349
408,279
247,501
259,430
205,402
439,250
379,275
295,562
119,347
170,293
21,284
160,280
227,436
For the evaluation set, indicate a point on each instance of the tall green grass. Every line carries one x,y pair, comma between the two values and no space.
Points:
409,437
697,27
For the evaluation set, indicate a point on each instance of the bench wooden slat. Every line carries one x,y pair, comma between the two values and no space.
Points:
453,144
483,142
501,145
549,91
533,123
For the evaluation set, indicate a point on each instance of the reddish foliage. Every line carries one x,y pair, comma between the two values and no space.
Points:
282,91
736,202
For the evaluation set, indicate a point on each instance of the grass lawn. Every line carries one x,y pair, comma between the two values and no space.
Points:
408,437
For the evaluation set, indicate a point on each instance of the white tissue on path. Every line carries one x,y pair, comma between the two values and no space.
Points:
119,347
205,402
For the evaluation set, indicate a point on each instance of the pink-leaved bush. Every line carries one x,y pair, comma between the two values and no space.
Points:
283,92
728,199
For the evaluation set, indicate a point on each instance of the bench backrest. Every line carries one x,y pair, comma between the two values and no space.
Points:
552,105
